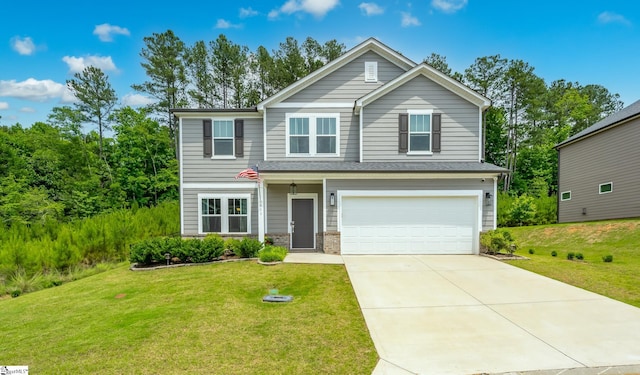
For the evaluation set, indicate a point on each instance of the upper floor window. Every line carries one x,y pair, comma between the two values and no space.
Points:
222,137
606,188
313,134
565,196
419,132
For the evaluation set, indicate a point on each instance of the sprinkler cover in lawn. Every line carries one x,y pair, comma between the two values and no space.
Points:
277,298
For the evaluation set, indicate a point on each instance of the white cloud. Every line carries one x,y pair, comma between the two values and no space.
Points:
370,9
77,64
224,24
4,105
273,14
318,8
612,17
36,90
136,100
247,12
105,32
449,6
408,20
23,46
27,110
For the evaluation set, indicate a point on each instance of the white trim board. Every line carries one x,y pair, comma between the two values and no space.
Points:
219,185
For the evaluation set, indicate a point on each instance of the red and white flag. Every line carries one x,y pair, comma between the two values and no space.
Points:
250,173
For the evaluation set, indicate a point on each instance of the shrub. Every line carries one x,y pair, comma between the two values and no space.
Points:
570,255
607,258
554,253
268,241
233,245
579,256
248,248
531,251
193,249
495,241
272,254
148,251
213,245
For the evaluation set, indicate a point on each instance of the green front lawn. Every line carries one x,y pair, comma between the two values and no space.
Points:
619,279
191,320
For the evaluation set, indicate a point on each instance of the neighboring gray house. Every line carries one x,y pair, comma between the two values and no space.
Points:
599,169
370,154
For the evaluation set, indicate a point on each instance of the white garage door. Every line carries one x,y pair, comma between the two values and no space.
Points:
408,225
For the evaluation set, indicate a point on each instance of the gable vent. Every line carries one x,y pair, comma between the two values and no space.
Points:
371,71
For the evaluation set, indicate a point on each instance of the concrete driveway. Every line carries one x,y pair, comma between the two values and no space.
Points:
440,314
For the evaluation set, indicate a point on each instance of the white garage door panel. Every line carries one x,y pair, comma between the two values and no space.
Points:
408,225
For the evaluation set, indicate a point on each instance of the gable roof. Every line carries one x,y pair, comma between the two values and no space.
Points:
370,44
432,74
619,117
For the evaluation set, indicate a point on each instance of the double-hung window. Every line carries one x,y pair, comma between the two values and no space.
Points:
222,138
224,213
313,134
420,131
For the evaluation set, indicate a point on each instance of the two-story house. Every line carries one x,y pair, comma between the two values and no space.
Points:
370,154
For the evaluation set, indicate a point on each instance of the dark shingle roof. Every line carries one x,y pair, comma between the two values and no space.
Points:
400,167
623,114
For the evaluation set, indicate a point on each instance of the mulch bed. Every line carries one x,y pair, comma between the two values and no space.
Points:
159,265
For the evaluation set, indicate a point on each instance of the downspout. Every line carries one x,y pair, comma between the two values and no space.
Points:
559,191
361,131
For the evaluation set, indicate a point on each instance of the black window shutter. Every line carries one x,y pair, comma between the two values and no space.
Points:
206,138
403,128
239,137
436,132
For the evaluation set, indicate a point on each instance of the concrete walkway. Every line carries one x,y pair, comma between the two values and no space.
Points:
469,315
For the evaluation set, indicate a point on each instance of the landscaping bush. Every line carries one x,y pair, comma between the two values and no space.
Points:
531,251
554,253
579,256
570,255
607,258
495,241
148,251
213,245
272,254
233,245
248,248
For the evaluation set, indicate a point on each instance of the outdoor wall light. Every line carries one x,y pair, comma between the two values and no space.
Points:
584,211
487,197
332,199
293,188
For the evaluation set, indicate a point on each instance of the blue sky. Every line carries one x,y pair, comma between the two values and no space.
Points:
42,46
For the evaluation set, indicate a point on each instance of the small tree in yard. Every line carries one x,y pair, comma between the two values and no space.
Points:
523,210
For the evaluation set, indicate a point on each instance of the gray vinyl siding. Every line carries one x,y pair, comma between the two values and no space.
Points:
190,205
277,133
278,210
347,83
610,156
197,168
333,186
460,123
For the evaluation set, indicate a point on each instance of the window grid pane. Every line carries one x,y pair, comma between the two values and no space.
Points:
299,126
223,129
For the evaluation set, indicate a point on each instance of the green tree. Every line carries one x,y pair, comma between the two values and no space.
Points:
164,62
289,64
331,50
96,98
146,171
200,73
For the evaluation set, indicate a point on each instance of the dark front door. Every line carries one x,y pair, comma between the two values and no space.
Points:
302,228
